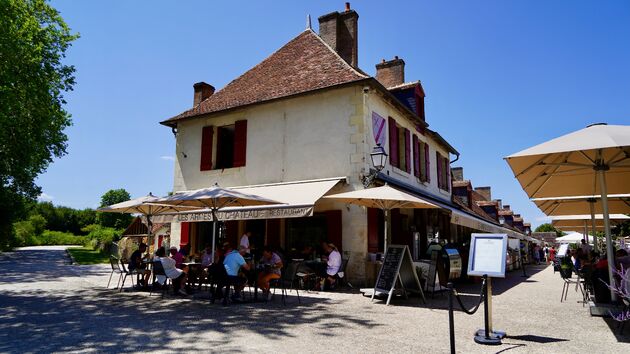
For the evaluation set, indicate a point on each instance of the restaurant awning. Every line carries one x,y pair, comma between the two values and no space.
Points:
299,198
471,221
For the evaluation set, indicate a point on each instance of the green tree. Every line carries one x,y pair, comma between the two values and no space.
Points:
114,220
548,228
33,79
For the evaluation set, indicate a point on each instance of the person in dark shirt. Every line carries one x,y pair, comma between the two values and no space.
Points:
135,264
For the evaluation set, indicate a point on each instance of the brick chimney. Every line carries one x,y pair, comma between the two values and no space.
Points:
458,173
485,192
202,91
340,31
391,73
506,207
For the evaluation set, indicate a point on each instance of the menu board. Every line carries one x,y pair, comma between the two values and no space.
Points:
562,251
397,265
487,255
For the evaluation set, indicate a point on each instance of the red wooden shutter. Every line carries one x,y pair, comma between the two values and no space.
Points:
427,162
273,233
448,174
333,225
206,148
416,156
438,160
393,142
373,227
185,234
240,143
407,151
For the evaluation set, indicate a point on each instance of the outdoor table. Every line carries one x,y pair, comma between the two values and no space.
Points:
196,269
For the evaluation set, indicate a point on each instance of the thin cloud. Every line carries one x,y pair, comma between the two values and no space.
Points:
45,197
167,158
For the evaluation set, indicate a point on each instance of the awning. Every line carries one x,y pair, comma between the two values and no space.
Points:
461,218
299,198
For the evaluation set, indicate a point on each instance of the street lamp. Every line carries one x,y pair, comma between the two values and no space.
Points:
378,156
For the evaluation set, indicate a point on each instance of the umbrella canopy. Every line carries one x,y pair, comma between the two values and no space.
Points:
384,197
214,198
566,166
574,237
146,205
591,161
617,203
579,220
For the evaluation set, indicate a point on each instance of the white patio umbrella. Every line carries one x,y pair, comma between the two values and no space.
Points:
591,161
385,198
576,205
146,206
214,198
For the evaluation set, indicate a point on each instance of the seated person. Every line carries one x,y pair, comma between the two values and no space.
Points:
233,263
272,264
177,256
178,276
135,264
206,257
333,265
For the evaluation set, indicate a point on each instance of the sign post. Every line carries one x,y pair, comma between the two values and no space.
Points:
487,259
397,269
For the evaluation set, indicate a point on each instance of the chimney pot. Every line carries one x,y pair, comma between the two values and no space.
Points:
202,91
347,6
458,173
486,192
391,73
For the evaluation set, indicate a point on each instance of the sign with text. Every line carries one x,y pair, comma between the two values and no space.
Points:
397,267
487,255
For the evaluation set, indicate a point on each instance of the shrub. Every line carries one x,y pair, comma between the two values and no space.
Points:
61,238
101,237
25,233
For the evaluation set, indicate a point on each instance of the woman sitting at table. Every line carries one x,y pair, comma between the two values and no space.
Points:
333,265
272,264
177,276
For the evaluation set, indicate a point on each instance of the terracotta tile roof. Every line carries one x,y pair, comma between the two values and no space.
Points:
404,86
506,212
475,210
463,183
155,227
487,203
306,63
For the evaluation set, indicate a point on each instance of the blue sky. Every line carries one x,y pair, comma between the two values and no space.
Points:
500,76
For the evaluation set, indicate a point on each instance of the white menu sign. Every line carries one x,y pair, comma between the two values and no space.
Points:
487,255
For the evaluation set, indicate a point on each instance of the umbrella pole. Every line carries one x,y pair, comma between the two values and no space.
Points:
214,233
609,246
386,214
591,203
586,231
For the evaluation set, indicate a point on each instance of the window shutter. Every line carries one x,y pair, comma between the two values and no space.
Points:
416,156
240,143
427,163
438,159
448,174
393,142
184,234
407,151
333,225
373,229
206,148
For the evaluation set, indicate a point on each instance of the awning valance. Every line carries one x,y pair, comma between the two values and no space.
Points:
299,198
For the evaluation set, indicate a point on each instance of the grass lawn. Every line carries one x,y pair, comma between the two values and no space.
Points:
86,255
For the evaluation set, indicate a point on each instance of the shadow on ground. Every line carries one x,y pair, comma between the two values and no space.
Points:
103,320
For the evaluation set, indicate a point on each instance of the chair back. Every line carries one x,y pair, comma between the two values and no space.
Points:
113,261
158,268
289,273
123,268
344,264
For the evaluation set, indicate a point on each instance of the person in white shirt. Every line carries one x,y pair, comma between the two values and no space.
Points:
245,241
333,265
177,276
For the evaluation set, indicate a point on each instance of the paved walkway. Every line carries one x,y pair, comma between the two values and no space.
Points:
47,305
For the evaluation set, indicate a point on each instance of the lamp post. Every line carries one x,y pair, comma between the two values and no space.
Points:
378,157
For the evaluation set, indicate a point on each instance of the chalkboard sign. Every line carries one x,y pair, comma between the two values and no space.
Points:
397,267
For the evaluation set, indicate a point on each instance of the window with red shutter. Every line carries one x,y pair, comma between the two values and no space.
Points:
416,156
448,174
184,234
393,142
427,161
407,151
240,143
206,148
438,160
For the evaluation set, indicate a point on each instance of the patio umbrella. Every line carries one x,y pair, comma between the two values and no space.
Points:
146,206
580,223
385,198
214,198
591,161
617,203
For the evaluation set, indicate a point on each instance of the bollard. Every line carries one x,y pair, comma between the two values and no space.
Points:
451,320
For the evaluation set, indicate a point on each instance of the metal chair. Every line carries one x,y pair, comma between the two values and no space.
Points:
287,280
113,261
126,273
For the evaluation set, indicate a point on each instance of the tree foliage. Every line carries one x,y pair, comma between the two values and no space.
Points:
33,79
548,228
115,220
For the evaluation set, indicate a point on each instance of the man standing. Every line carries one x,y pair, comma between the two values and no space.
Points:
586,248
245,241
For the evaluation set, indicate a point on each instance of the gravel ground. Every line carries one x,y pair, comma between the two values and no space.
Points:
47,305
